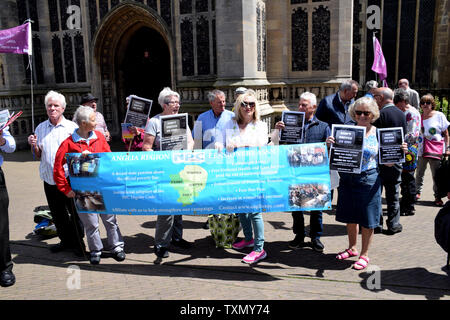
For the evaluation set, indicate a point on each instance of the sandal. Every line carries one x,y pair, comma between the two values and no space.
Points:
347,253
438,202
362,263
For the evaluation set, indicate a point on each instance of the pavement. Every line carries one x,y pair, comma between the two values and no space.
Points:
406,266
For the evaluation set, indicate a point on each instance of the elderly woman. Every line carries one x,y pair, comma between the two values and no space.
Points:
359,195
169,228
85,140
433,143
246,129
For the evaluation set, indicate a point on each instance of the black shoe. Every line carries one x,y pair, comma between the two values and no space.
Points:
58,247
297,243
410,212
317,245
7,278
95,259
378,230
119,256
394,230
161,252
183,244
206,225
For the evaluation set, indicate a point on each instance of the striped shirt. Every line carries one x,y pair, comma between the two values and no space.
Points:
49,137
10,144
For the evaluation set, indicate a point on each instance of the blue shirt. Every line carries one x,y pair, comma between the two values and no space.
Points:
211,127
10,144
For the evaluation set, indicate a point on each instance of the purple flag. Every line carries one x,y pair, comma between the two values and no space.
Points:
379,63
16,40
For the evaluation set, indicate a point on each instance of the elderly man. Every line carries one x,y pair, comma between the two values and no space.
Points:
333,108
414,98
314,131
413,120
370,88
7,278
90,101
44,144
208,127
390,116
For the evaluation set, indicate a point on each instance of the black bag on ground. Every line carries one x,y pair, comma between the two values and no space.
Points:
442,176
442,229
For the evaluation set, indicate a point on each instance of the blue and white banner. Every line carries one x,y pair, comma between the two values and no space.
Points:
263,179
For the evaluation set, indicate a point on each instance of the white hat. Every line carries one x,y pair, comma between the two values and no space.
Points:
240,90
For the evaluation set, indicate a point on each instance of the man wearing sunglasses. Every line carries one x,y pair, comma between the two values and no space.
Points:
390,116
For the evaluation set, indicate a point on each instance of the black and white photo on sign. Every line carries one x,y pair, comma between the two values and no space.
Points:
174,132
294,122
138,111
390,145
347,152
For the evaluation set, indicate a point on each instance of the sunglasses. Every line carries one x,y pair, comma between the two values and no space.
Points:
426,102
248,104
366,113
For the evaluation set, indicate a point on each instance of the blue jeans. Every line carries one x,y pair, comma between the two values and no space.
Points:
253,222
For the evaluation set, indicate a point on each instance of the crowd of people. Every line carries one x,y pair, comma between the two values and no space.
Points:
426,141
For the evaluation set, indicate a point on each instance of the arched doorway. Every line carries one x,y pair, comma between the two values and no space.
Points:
143,67
119,65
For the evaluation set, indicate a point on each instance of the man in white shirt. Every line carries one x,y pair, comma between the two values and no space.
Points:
44,145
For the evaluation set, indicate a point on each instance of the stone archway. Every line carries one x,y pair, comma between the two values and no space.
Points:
113,37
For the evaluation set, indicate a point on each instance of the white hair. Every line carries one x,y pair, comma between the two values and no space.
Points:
311,97
83,113
165,94
55,96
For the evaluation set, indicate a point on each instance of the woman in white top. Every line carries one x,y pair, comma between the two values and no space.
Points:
433,143
246,129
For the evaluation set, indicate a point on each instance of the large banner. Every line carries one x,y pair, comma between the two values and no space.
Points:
264,179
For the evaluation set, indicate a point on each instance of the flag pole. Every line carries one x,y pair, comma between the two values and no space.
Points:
30,64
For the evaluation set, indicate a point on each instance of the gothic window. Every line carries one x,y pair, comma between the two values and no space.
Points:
203,63
103,8
152,4
425,38
166,12
93,16
187,47
28,10
321,39
198,38
299,40
67,43
114,3
389,41
407,34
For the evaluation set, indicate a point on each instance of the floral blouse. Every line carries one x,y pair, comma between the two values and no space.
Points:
370,152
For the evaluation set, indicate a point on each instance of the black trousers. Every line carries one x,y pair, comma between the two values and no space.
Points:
68,225
408,191
5,253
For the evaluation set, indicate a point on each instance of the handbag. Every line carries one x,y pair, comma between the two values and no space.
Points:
442,176
224,229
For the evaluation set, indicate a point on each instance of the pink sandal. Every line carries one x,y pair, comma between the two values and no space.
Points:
362,263
346,254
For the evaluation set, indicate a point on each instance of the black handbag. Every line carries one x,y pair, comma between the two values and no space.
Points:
442,176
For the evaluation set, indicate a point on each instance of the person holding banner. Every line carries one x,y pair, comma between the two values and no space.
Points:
86,140
359,195
169,228
44,145
314,131
246,129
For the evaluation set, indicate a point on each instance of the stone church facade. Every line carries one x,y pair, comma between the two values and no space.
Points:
279,48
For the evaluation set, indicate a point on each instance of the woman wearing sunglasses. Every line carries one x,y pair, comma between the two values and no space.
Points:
359,195
433,143
246,129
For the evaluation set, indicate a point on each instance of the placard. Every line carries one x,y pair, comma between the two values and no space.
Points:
294,122
174,132
347,151
390,145
138,111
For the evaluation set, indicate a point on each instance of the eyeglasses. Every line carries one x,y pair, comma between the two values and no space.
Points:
366,113
426,102
250,105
